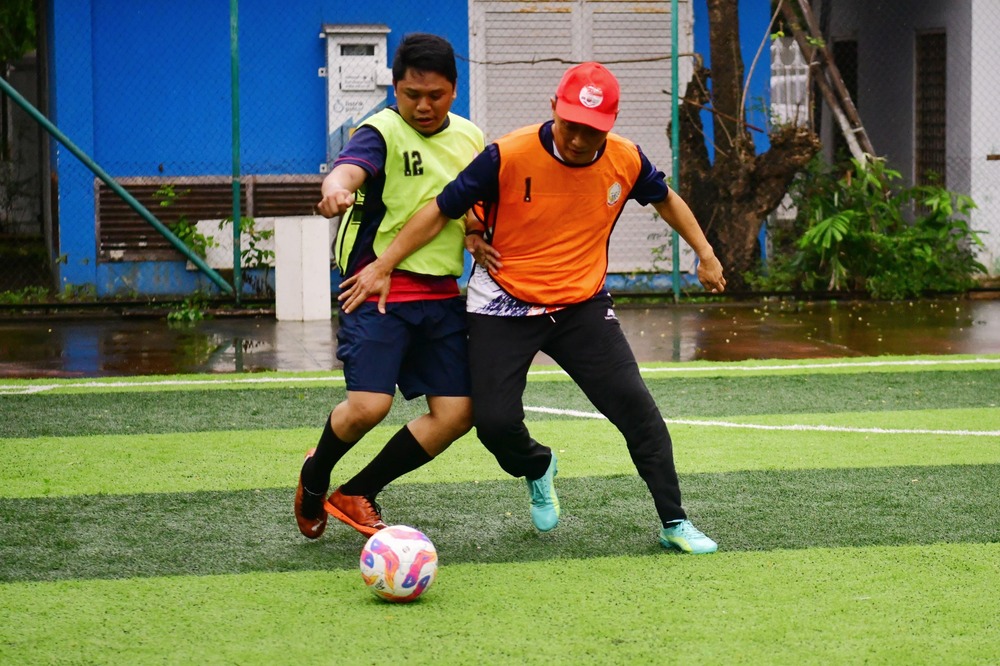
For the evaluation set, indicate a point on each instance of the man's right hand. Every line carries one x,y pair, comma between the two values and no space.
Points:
335,203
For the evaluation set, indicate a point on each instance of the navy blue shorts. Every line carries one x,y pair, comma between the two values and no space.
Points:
420,346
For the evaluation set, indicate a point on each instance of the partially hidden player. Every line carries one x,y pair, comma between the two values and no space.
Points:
415,334
552,195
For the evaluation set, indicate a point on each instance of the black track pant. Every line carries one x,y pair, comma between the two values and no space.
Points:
586,340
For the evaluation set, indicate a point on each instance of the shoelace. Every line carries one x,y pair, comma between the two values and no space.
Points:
687,529
539,494
374,506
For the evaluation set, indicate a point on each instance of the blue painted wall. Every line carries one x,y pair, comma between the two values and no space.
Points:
755,28
144,88
755,19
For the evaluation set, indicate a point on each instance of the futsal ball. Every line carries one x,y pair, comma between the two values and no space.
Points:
398,563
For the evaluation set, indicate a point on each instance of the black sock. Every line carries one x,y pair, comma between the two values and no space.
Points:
401,454
329,451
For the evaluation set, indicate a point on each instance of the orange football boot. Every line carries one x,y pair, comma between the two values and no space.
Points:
309,511
357,511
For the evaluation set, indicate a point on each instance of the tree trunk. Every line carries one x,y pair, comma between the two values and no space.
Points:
732,196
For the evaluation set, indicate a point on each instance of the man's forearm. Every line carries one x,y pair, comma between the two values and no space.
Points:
678,215
344,177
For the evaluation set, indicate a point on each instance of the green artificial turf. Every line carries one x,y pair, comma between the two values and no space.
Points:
39,415
113,536
240,459
854,503
876,605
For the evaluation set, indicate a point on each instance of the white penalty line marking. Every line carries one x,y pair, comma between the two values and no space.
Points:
13,389
797,427
24,390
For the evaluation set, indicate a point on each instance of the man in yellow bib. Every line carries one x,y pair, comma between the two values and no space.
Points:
414,335
551,195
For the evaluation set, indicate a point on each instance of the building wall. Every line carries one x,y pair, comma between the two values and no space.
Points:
145,88
886,33
985,154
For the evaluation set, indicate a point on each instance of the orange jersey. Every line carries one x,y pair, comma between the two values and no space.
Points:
553,221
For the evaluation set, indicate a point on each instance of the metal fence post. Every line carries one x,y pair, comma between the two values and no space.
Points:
235,92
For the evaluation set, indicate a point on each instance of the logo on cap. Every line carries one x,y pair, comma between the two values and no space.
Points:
591,96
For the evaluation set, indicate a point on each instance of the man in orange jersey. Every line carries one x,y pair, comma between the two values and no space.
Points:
551,195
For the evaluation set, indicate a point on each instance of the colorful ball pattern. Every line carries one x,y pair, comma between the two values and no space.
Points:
399,563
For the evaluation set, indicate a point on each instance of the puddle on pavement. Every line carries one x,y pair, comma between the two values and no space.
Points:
814,330
729,332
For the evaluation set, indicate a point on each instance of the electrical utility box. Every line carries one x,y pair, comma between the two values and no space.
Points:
357,79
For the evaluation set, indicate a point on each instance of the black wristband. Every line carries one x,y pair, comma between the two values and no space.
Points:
476,232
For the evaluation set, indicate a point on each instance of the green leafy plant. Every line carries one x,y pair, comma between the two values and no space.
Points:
183,228
257,254
73,293
191,310
25,296
20,29
860,231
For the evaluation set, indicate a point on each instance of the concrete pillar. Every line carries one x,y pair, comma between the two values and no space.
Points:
302,268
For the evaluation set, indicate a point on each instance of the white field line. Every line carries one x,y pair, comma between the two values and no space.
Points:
817,366
800,428
12,389
716,367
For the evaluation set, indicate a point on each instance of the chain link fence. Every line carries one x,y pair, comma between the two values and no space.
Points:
161,121
148,91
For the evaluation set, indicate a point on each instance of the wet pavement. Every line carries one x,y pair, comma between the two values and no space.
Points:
124,345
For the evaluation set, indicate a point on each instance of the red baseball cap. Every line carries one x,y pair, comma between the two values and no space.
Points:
588,94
